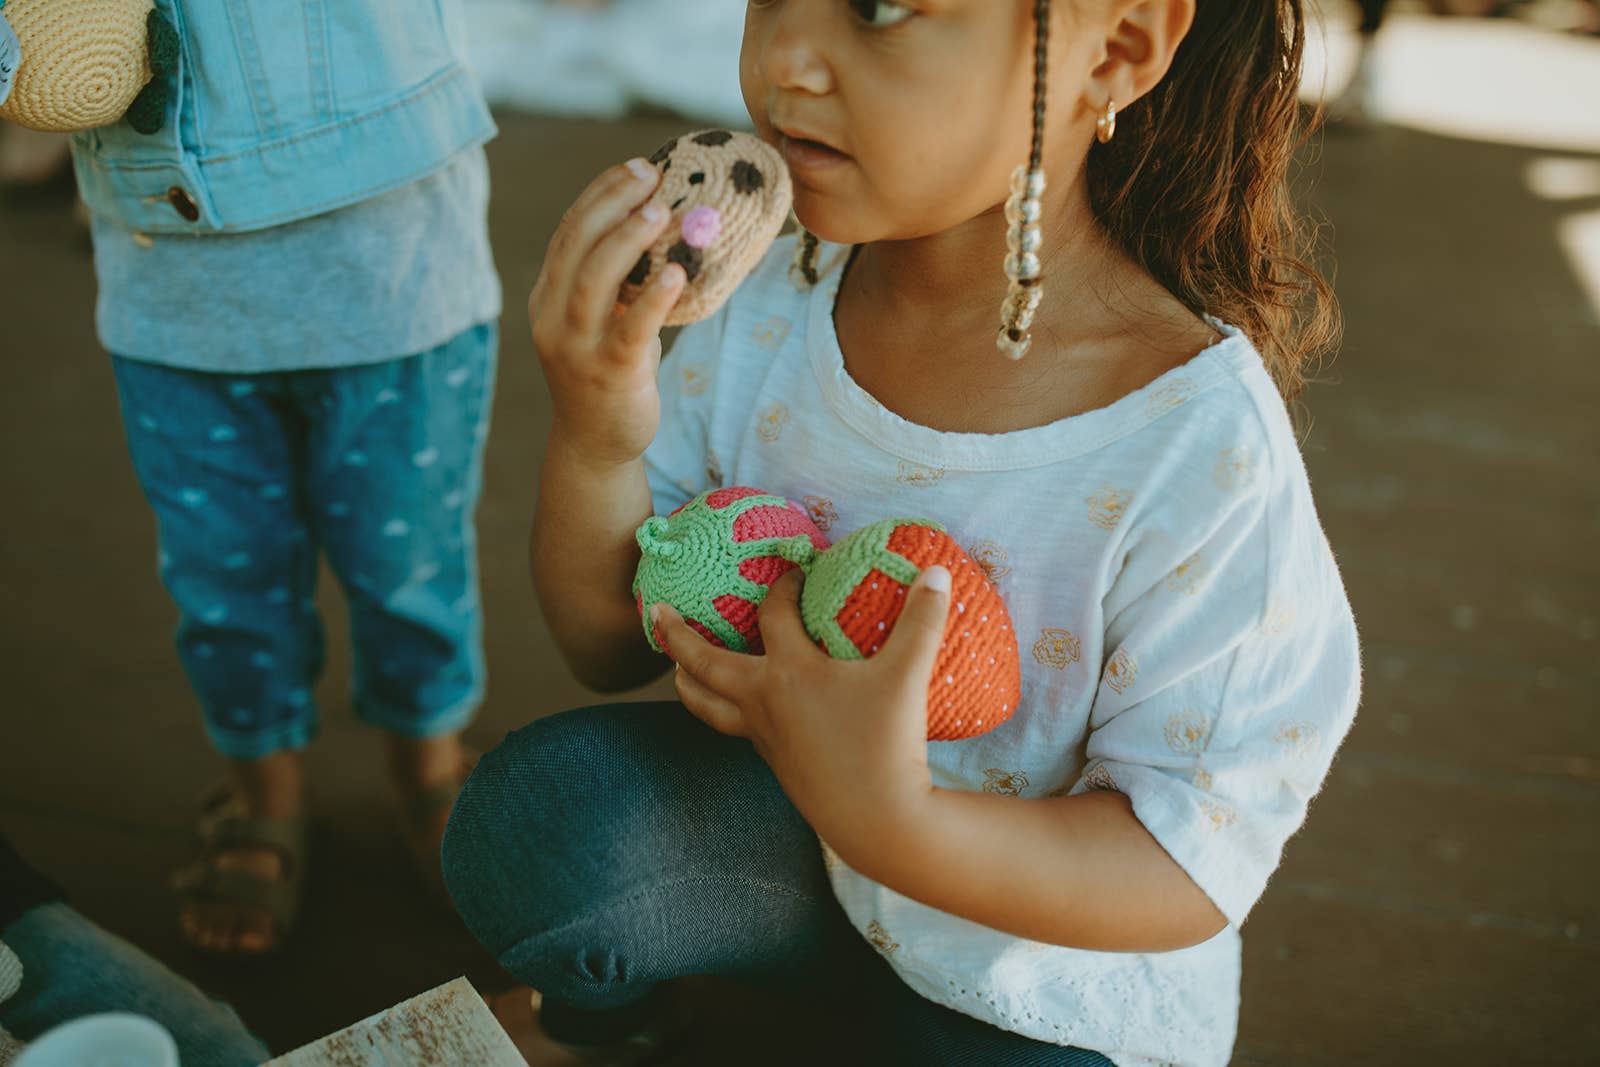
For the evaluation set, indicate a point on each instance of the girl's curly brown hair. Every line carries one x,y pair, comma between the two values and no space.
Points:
1195,184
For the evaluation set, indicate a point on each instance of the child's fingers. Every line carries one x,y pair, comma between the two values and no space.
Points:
913,647
716,712
781,626
719,670
636,328
599,209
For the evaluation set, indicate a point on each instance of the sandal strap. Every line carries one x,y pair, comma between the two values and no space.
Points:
226,825
278,898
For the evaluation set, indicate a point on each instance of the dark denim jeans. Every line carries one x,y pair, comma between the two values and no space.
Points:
602,852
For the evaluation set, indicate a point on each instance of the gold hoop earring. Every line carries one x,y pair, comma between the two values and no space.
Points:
1105,127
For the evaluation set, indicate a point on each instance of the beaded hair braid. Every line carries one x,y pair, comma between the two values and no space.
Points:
1023,212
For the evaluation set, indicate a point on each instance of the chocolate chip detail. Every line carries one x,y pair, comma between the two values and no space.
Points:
664,151
713,138
687,257
747,177
641,270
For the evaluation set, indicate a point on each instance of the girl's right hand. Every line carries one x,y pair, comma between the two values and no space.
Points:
600,359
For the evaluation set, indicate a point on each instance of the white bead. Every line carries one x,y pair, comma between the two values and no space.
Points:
1022,301
1027,183
1024,239
1023,265
1012,349
1023,210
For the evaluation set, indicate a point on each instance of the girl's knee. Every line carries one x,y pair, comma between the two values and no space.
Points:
538,829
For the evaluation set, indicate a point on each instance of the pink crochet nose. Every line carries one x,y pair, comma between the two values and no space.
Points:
702,227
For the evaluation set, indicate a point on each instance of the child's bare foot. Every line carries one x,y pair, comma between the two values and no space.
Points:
240,895
428,773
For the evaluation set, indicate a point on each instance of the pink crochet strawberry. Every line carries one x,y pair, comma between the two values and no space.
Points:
715,557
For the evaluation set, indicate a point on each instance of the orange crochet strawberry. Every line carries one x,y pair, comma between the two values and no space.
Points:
855,591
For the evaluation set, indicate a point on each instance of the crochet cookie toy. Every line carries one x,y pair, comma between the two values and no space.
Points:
89,63
715,558
730,195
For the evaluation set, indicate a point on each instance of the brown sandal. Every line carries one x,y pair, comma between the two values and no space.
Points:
225,825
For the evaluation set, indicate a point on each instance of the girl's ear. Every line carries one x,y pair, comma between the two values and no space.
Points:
1141,38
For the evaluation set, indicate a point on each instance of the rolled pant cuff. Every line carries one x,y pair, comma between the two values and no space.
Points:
453,719
258,744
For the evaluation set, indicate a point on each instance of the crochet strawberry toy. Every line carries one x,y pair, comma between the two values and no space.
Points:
715,558
729,194
88,63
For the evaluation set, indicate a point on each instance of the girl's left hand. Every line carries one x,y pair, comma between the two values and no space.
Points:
846,739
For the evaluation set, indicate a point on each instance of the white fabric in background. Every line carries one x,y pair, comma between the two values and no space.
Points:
539,55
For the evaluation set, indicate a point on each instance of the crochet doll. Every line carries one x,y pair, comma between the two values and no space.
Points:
729,194
89,63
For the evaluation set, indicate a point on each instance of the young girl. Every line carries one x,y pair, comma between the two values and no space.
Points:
297,290
1067,889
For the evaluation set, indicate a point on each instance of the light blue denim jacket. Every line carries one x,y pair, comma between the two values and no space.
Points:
285,110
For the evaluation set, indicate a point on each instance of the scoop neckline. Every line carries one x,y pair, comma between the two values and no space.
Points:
1034,446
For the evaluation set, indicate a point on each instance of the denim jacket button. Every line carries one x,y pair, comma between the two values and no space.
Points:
183,203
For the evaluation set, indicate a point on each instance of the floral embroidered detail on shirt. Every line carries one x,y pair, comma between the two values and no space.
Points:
992,558
1056,649
1234,470
714,467
880,939
1190,573
1298,738
771,334
1187,732
1122,671
1107,506
1166,397
1098,779
915,474
694,378
1004,783
770,424
821,510
1221,815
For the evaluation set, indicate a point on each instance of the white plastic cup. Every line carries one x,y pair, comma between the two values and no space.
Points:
114,1039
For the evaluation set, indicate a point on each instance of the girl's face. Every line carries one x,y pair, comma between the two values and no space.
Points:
900,120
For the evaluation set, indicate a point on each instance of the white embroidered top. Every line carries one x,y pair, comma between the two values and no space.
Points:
1185,636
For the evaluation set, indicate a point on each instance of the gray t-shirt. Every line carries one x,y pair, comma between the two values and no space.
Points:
391,276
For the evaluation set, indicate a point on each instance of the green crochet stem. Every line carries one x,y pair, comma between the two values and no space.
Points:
836,574
690,559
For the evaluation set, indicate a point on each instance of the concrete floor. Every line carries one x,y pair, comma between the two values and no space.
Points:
1438,908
